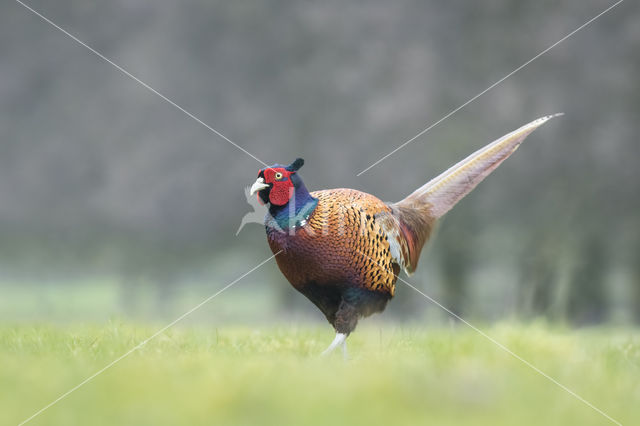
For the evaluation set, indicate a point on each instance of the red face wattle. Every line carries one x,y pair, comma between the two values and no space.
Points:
275,184
282,188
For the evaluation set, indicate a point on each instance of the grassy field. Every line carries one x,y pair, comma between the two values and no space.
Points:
272,375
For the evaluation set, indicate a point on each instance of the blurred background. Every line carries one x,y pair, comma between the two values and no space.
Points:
113,203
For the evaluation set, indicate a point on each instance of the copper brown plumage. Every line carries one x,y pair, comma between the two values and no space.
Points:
343,249
327,249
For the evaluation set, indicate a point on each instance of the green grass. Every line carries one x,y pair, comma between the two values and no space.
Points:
272,375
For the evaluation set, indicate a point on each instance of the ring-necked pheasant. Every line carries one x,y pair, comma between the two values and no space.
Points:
343,249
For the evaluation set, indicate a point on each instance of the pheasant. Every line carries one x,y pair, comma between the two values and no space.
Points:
343,249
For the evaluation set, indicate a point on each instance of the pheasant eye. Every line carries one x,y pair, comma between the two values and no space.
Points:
278,175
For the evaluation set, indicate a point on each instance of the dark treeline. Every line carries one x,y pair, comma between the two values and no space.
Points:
100,176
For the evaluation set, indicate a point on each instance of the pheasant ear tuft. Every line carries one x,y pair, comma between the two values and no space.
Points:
295,166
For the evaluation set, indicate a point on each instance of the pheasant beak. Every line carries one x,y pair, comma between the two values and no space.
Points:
258,185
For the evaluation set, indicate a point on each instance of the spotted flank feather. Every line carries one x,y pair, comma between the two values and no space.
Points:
342,242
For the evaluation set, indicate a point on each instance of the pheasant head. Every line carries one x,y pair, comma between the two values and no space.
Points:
277,184
290,204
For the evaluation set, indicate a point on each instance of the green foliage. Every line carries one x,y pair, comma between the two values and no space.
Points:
243,376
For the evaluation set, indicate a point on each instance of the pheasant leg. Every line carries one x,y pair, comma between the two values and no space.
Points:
339,340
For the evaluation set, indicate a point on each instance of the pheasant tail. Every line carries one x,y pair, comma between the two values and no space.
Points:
416,214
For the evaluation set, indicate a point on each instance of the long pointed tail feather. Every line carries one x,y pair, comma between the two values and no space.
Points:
445,190
417,213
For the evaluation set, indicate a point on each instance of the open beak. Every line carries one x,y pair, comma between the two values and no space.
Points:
258,185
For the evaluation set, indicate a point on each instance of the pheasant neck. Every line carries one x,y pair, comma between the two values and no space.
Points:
296,212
